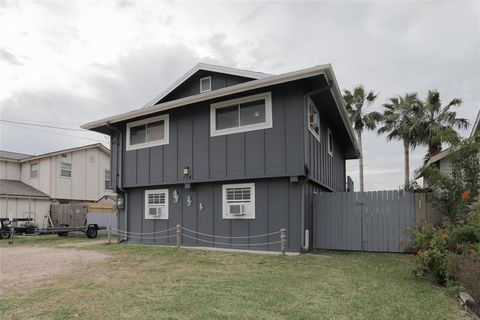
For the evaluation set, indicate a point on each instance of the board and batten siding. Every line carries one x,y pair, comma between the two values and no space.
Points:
9,170
88,175
326,170
273,152
329,171
277,205
18,207
192,85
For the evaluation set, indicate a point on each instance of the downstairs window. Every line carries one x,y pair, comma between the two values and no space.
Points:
239,201
156,204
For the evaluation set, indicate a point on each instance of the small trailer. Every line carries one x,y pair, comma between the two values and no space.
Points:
63,219
70,217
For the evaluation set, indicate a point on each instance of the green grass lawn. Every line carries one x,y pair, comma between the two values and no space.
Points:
146,282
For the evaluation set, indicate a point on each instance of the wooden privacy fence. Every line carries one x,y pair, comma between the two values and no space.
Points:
378,221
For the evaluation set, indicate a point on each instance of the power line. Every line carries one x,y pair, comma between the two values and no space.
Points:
41,125
57,133
43,121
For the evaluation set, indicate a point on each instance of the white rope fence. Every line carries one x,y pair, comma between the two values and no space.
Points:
195,235
226,237
142,233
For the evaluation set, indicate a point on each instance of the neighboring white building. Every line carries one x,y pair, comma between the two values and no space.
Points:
77,174
442,159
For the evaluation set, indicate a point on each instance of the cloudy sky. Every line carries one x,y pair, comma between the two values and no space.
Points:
66,63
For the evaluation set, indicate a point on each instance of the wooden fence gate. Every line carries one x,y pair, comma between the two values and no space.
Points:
367,221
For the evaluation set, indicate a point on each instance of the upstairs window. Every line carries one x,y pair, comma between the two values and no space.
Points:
330,143
108,180
156,204
239,201
241,115
147,133
65,170
205,84
34,170
313,119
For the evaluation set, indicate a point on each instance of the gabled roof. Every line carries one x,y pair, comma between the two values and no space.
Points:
12,156
15,188
54,153
206,67
325,70
476,126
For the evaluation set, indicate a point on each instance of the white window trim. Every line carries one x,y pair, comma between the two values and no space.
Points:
267,96
148,192
109,180
252,200
330,144
317,136
38,170
65,177
164,117
209,81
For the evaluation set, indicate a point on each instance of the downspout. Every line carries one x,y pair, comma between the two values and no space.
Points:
119,177
304,241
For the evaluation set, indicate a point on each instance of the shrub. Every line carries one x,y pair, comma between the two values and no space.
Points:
462,239
437,248
454,194
432,250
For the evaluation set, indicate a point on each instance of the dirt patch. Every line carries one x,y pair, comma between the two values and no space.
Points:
84,244
22,267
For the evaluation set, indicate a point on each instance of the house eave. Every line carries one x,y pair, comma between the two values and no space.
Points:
54,153
326,70
476,128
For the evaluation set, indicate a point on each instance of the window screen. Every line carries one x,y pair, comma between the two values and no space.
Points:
66,170
314,120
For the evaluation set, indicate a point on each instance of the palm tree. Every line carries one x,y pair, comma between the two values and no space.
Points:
435,123
398,122
356,104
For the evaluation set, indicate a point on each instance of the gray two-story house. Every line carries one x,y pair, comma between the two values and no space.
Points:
230,153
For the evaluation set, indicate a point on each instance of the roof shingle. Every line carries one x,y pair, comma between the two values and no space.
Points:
17,188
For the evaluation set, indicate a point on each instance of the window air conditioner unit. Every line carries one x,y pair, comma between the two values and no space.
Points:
155,212
236,209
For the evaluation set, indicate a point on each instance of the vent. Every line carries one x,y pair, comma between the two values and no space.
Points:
236,209
155,211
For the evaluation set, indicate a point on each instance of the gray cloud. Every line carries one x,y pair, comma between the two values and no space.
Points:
116,90
393,48
9,57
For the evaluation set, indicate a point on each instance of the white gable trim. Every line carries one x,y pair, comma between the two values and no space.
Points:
206,67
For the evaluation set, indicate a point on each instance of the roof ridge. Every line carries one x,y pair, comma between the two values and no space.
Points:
52,153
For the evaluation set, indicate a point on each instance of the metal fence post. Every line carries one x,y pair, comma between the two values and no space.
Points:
109,234
283,240
179,236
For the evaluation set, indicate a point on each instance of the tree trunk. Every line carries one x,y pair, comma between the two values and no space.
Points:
360,159
434,149
406,160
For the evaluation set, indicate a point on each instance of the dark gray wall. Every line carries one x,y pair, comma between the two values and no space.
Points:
277,205
271,152
192,85
326,170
